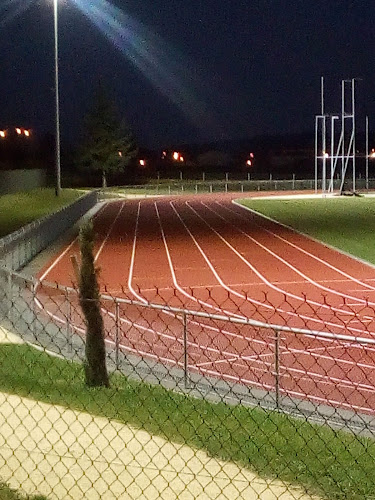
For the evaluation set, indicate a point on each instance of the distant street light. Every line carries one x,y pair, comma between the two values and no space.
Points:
2,133
19,131
58,159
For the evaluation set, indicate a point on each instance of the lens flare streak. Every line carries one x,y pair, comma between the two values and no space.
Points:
163,66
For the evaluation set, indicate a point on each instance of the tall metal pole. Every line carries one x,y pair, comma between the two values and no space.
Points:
58,158
343,130
316,153
330,187
324,145
367,185
353,118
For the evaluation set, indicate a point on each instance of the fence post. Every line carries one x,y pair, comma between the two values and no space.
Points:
277,368
196,189
9,294
69,321
248,176
185,352
210,188
33,312
117,334
294,182
203,176
241,188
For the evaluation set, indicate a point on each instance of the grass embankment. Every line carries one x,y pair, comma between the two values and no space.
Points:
345,223
332,463
17,210
7,493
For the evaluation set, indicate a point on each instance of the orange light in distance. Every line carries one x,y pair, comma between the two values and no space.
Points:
142,163
176,155
19,131
249,163
120,153
27,133
372,154
181,158
251,155
2,133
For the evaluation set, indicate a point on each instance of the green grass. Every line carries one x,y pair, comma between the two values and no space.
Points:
17,210
7,493
334,464
345,223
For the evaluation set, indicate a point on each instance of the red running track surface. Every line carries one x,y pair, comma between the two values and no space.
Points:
210,254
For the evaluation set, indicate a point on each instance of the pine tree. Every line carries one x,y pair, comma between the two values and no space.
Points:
108,144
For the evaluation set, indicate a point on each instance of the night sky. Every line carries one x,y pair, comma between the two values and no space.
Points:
186,71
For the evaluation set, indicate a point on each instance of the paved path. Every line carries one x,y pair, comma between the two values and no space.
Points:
66,454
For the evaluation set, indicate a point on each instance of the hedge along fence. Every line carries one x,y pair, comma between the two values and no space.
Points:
20,247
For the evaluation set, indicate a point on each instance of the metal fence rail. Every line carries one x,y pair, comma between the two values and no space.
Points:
201,404
178,187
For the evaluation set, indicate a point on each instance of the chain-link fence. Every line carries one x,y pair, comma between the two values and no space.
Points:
260,402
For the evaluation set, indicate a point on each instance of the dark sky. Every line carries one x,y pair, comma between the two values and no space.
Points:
226,68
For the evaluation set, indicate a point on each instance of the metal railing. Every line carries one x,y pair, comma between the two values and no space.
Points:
20,247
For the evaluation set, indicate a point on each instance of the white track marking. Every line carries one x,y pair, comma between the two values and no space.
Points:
58,259
257,302
294,269
131,268
61,255
174,278
109,232
300,249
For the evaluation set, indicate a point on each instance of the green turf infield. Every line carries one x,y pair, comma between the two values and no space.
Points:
17,210
332,463
347,223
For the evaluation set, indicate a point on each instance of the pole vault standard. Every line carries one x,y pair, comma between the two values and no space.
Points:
331,148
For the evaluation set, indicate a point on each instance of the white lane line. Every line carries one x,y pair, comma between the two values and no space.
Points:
131,267
64,252
300,249
294,269
257,302
109,232
174,278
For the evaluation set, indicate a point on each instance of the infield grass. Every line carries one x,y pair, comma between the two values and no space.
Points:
17,210
330,463
347,223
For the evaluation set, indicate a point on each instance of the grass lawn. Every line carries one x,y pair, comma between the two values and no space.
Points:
17,210
334,464
347,223
7,493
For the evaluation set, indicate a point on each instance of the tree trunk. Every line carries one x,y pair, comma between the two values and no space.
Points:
95,364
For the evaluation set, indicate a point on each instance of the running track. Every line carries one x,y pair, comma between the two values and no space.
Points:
207,253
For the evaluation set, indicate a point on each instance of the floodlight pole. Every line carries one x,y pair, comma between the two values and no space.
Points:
367,153
58,156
